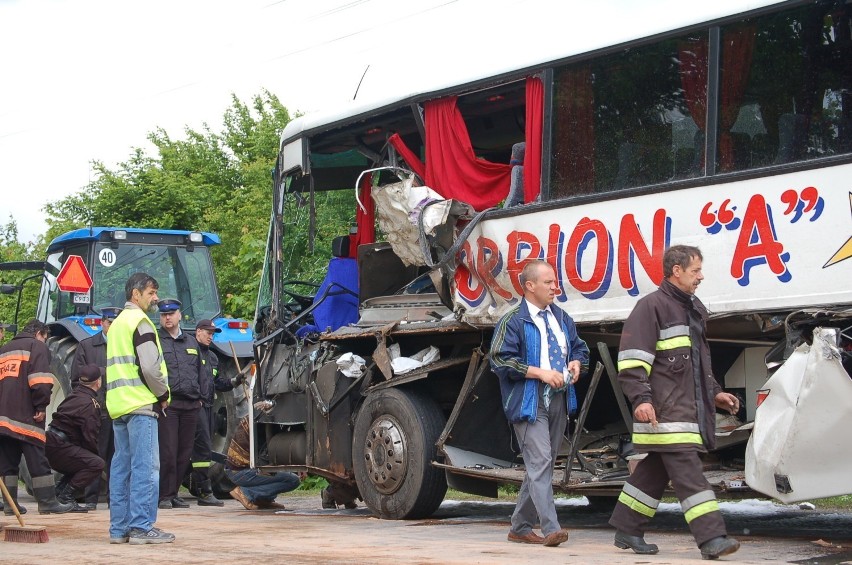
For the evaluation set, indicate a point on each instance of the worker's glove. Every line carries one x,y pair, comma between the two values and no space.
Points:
238,380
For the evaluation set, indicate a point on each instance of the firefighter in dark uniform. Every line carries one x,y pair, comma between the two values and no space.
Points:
25,387
664,369
92,350
177,425
200,484
72,437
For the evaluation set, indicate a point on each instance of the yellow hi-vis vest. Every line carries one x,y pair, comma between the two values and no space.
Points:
125,389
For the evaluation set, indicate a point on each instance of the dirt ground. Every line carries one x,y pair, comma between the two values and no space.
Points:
304,533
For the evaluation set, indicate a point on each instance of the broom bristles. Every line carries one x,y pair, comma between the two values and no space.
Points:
25,534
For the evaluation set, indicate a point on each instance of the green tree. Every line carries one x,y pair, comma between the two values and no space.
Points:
13,250
211,181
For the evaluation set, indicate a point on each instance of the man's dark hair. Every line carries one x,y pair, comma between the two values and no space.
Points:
139,281
35,327
530,272
679,255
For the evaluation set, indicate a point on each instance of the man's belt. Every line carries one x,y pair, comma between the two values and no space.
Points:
58,433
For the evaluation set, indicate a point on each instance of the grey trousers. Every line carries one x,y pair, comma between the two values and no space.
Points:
539,442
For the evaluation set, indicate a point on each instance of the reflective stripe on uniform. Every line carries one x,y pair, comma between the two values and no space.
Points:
200,464
11,361
673,343
43,481
35,379
667,439
21,428
665,427
699,504
635,504
630,358
674,337
674,331
645,499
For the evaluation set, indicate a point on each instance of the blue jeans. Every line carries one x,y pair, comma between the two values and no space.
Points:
262,487
134,481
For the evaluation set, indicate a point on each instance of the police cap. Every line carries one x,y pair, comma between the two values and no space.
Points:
168,305
110,312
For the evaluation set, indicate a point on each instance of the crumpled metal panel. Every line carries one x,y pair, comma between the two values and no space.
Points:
801,446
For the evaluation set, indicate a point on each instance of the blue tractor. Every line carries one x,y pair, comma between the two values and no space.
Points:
102,259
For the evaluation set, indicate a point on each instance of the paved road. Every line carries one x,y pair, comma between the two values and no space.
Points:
460,532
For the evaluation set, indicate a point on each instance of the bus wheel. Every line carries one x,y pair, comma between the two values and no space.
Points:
393,447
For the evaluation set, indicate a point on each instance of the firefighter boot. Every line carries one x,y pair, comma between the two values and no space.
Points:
11,482
47,503
718,546
205,495
65,495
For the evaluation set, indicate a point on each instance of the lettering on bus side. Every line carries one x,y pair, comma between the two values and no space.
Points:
566,251
757,242
593,256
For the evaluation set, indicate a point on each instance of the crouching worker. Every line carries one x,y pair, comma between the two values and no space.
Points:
72,438
254,491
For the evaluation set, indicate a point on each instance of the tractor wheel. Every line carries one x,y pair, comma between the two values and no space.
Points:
393,447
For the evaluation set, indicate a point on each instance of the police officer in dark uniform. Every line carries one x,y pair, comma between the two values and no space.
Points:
200,484
72,437
177,424
92,350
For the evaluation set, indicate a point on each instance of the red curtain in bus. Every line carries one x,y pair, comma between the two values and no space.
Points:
532,133
737,49
366,222
693,77
452,168
414,162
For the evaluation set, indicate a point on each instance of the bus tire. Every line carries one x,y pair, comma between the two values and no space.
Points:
393,447
62,350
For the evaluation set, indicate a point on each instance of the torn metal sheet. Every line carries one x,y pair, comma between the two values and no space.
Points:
381,356
801,446
398,207
403,308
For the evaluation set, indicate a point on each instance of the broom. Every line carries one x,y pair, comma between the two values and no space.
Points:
22,533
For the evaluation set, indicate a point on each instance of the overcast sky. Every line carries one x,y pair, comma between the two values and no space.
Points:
86,80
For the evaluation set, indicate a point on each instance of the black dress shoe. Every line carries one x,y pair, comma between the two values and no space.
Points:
636,543
718,546
178,502
54,507
76,508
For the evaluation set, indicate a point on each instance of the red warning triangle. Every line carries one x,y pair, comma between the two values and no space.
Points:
74,276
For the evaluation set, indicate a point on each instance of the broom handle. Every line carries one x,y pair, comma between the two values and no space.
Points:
239,370
11,502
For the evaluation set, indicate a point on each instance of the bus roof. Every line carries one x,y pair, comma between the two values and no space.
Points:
530,42
99,233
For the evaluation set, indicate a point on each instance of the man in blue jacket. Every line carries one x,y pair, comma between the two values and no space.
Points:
538,356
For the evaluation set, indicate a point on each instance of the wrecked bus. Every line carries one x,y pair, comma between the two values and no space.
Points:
728,127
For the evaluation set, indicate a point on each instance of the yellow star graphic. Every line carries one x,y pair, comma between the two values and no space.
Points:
845,251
